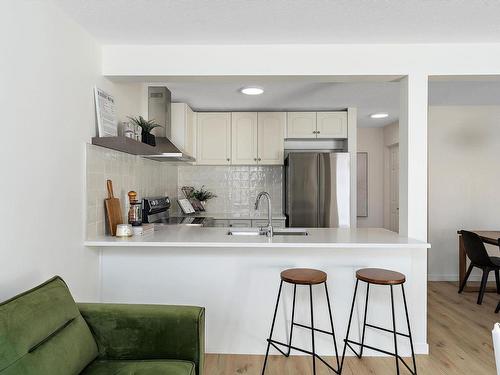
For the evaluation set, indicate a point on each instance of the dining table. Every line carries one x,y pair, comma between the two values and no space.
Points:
490,237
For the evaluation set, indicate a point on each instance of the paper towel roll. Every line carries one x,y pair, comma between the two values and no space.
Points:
496,344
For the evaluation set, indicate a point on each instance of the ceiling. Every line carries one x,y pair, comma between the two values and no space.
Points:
299,94
287,21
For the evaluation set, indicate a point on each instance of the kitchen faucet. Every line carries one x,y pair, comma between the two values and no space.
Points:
268,230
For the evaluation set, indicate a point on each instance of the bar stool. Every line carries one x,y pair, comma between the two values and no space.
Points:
307,277
380,277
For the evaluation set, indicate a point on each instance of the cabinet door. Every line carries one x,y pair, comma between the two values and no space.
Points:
214,138
301,125
190,142
221,223
244,138
332,124
240,223
271,137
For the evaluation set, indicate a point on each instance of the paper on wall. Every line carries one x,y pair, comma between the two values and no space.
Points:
106,113
496,345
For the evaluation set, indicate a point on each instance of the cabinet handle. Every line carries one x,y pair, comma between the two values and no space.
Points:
228,159
254,159
259,159
318,132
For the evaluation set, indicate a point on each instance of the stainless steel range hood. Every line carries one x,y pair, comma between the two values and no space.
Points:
159,109
169,152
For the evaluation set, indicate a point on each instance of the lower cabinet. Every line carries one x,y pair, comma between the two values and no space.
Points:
221,223
240,223
277,223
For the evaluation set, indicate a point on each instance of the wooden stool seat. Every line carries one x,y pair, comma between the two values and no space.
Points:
380,276
303,276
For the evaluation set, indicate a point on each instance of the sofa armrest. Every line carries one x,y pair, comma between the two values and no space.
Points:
125,331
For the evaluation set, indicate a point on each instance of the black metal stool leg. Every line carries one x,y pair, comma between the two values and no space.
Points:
349,325
333,329
291,325
364,322
394,331
312,330
272,328
409,331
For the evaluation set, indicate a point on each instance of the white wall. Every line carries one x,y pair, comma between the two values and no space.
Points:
371,140
391,138
464,180
48,68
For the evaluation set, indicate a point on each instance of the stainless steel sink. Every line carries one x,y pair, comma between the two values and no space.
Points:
291,232
277,232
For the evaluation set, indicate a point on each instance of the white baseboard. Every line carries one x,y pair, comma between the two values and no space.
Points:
455,277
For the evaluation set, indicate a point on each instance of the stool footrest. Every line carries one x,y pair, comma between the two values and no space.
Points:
387,330
314,329
274,343
348,342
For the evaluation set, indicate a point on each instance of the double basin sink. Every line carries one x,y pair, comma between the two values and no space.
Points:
276,232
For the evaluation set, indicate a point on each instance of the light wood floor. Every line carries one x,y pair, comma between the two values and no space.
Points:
459,336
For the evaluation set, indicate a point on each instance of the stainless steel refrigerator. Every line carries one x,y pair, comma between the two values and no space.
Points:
317,189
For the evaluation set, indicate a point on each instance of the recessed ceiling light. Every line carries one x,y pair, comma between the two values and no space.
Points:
379,115
252,90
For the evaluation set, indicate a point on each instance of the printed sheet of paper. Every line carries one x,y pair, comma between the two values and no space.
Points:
106,113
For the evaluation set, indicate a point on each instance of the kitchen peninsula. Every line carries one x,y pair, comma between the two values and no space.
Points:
236,277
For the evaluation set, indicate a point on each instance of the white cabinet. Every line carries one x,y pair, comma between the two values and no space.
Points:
331,124
244,138
221,223
213,138
271,137
183,133
317,125
240,223
258,138
277,223
301,125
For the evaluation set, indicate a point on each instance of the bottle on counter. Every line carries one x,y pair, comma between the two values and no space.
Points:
135,210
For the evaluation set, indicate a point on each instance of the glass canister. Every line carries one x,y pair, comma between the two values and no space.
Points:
135,209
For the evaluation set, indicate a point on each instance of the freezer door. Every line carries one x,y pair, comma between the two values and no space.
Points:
334,202
302,190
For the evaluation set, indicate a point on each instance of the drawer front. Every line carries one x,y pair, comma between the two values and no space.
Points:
221,223
262,223
240,223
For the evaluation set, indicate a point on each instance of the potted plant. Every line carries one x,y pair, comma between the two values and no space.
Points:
202,194
146,126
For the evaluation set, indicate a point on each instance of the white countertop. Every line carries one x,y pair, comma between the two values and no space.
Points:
188,236
239,216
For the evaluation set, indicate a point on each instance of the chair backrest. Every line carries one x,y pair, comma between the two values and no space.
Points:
475,249
43,332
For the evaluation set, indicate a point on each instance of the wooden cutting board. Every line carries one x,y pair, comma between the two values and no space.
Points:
113,209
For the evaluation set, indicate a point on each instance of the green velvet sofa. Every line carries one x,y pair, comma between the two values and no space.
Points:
44,332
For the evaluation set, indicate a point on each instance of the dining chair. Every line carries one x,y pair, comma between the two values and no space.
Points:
476,252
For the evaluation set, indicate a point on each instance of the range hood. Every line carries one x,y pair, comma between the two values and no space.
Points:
167,151
159,109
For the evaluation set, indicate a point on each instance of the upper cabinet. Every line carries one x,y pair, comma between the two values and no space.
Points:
183,133
244,138
317,125
301,124
331,124
258,138
213,138
271,137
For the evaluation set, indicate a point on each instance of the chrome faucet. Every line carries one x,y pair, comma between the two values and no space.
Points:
267,230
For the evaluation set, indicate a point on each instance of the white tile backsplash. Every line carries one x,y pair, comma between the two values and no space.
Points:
128,172
236,186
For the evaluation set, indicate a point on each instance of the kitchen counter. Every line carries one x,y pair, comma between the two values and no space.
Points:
187,236
236,278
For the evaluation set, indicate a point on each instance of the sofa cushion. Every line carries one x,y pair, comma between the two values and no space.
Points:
149,367
43,332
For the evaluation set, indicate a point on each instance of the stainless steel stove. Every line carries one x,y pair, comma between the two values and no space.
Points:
156,211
